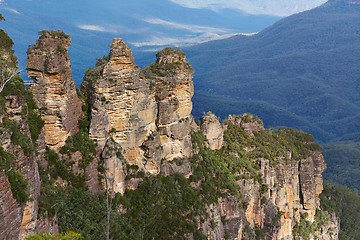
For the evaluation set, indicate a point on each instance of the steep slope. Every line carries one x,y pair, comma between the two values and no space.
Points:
306,65
20,127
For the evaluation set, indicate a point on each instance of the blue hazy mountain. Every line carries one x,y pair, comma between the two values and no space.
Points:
301,72
144,25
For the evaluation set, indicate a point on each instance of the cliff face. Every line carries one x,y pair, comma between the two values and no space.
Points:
286,195
54,89
19,177
10,212
122,105
147,114
241,181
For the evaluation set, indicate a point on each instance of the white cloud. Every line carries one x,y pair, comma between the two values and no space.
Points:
197,34
12,10
187,27
154,41
97,28
256,7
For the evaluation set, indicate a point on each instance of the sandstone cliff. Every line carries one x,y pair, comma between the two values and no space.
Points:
147,114
176,179
54,89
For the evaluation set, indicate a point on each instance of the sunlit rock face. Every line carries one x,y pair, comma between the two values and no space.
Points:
148,113
122,105
54,89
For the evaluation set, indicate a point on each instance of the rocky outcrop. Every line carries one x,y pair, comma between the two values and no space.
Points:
174,89
143,118
115,166
147,113
213,131
54,89
141,121
122,105
287,194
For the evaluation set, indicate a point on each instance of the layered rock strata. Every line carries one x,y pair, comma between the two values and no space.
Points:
147,113
54,89
122,105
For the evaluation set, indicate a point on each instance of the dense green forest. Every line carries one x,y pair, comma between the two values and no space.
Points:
343,164
300,72
346,205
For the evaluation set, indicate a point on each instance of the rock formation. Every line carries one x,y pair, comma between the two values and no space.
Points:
213,131
142,126
54,89
122,105
174,89
147,114
288,192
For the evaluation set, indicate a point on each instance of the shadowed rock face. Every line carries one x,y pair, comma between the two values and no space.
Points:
54,89
10,213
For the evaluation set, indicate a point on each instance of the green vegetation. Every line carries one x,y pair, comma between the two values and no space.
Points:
346,205
60,168
35,122
17,137
269,144
161,208
212,171
55,34
14,87
61,236
6,42
17,181
167,69
80,142
305,229
343,164
76,210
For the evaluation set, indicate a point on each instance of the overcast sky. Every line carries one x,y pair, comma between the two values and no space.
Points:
257,7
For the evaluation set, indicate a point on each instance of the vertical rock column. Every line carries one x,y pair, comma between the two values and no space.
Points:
54,89
122,105
174,90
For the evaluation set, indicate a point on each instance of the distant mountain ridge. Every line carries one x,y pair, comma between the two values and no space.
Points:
305,65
